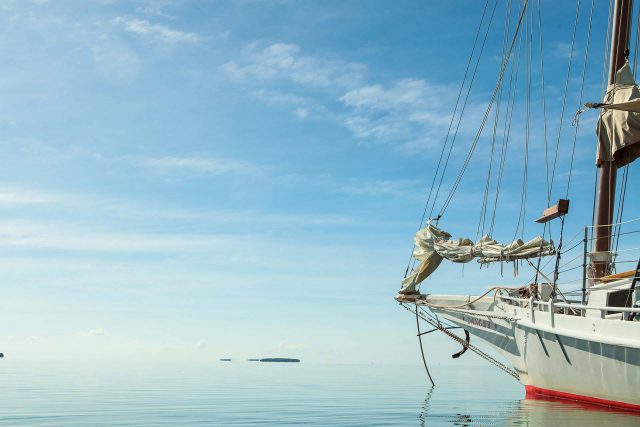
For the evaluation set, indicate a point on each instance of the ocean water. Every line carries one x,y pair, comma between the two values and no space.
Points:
263,394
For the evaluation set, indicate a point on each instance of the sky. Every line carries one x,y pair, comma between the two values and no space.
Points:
194,180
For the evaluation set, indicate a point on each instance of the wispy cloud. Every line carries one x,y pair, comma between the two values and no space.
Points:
209,165
562,50
85,206
405,112
15,198
61,236
116,63
402,110
378,188
156,32
281,61
92,333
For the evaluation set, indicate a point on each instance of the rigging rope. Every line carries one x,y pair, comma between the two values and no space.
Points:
486,114
506,132
483,209
523,194
424,360
455,134
436,324
544,105
621,200
584,71
453,116
564,98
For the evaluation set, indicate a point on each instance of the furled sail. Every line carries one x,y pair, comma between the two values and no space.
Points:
619,124
432,245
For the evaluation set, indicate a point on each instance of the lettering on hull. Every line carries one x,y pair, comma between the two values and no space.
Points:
485,323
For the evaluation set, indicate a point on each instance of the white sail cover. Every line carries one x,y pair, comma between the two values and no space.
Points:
619,124
432,245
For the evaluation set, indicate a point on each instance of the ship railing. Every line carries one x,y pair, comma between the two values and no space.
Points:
552,307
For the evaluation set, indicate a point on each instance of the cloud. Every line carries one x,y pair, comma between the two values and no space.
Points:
92,333
156,32
16,198
304,106
406,112
282,61
401,110
301,113
209,165
116,63
59,236
79,204
562,50
157,8
396,188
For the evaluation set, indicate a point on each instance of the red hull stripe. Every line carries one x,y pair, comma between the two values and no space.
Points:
533,390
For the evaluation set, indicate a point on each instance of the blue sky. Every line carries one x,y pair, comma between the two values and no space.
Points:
237,179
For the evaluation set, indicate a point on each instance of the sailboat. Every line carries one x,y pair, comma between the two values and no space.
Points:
581,344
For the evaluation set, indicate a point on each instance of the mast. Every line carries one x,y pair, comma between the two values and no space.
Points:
601,262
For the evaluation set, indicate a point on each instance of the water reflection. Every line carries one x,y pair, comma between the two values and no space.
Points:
250,394
531,411
425,407
541,410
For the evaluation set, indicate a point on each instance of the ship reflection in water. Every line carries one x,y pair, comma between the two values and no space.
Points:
534,410
274,394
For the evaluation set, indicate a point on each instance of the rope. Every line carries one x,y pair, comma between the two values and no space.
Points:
462,342
424,361
466,304
483,209
455,134
486,114
464,79
482,313
564,98
615,223
544,106
621,200
506,135
523,194
577,119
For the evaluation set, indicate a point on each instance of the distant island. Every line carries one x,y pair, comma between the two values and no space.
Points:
225,360
280,360
253,360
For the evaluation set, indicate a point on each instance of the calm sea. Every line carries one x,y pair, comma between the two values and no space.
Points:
246,393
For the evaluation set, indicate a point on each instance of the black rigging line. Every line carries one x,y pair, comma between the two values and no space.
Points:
515,65
523,194
455,110
453,116
486,114
564,98
455,134
424,360
544,105
577,122
483,209
547,226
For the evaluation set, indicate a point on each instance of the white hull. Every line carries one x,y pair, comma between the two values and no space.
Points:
586,358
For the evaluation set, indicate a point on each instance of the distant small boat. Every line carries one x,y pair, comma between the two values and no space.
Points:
280,360
225,360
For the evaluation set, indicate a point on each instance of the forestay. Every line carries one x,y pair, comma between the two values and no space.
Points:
432,245
619,124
